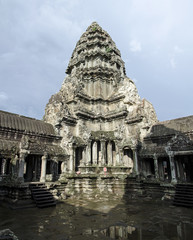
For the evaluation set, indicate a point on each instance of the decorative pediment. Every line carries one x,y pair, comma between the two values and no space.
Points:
180,142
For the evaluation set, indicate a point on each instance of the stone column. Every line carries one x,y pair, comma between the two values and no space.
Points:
35,165
156,166
3,166
121,157
110,153
43,168
21,166
181,170
117,161
84,156
135,161
71,159
88,154
94,153
172,166
63,167
55,168
103,152
74,159
14,164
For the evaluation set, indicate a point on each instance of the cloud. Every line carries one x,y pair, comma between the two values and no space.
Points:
173,62
3,96
135,46
38,38
177,49
175,54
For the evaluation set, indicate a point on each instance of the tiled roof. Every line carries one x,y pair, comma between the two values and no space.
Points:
22,123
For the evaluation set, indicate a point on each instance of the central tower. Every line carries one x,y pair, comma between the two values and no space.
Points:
98,111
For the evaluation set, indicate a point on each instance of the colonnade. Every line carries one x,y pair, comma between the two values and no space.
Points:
22,163
27,167
4,166
100,153
97,153
171,167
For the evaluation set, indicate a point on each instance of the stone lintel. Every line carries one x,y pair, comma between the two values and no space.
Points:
69,120
107,117
134,120
99,99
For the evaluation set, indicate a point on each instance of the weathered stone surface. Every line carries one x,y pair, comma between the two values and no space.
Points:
97,96
7,234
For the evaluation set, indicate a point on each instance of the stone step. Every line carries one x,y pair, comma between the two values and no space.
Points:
42,196
184,191
184,185
182,204
183,195
41,201
46,205
36,187
183,200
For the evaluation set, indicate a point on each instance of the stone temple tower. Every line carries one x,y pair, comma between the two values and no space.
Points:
98,111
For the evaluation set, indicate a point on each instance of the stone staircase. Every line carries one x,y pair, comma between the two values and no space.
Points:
153,189
41,195
183,195
133,188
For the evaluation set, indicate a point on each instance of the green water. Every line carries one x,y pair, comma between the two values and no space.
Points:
105,219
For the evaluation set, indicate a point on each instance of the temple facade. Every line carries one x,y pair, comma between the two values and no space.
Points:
96,125
29,149
98,111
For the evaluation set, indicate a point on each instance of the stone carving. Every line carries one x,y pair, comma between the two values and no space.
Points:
99,97
180,142
130,92
24,144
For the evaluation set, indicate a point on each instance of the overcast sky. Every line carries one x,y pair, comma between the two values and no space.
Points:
155,37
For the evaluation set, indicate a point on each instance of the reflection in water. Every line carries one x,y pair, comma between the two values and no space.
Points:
183,231
136,220
114,232
118,232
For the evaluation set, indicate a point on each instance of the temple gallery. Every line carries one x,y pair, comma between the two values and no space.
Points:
97,135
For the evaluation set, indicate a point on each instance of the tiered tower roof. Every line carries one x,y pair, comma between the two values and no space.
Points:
96,54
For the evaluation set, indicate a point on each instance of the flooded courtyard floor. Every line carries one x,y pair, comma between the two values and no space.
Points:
79,219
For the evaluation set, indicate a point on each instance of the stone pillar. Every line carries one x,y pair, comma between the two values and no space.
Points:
35,165
156,166
71,159
110,153
55,169
63,167
181,170
103,152
121,157
172,167
21,166
84,156
43,168
14,164
117,161
88,154
74,160
3,166
135,161
94,153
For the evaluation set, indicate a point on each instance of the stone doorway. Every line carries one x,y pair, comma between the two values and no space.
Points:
128,157
32,168
148,167
184,168
164,169
78,157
